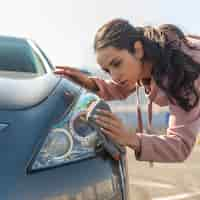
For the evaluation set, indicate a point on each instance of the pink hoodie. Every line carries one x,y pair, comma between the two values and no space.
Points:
180,137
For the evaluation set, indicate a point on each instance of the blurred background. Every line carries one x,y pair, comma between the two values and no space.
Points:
65,30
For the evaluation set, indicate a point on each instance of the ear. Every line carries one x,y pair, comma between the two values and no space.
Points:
139,50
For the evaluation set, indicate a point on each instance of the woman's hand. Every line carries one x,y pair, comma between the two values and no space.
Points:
77,76
113,127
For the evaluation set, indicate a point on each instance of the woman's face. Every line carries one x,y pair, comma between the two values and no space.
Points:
123,67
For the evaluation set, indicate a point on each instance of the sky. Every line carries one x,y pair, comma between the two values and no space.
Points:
65,29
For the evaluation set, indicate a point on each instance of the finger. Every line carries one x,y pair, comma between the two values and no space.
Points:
64,72
64,67
107,113
108,120
107,126
60,67
110,135
104,124
69,69
60,73
59,70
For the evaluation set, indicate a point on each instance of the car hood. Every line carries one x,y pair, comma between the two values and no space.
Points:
23,90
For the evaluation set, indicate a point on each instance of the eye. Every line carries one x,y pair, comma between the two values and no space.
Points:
117,63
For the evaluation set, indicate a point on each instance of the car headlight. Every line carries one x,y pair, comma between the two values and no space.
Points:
71,139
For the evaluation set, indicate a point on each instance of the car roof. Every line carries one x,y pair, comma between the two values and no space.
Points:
12,38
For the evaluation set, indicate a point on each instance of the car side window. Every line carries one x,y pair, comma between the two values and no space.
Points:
15,56
21,55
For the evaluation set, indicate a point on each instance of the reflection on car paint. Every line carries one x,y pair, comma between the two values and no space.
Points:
105,190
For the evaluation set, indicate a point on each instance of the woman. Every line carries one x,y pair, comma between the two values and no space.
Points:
167,64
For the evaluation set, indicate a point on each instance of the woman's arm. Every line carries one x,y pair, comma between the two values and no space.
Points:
177,144
197,37
76,76
106,89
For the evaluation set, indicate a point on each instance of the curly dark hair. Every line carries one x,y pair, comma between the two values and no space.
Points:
173,70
